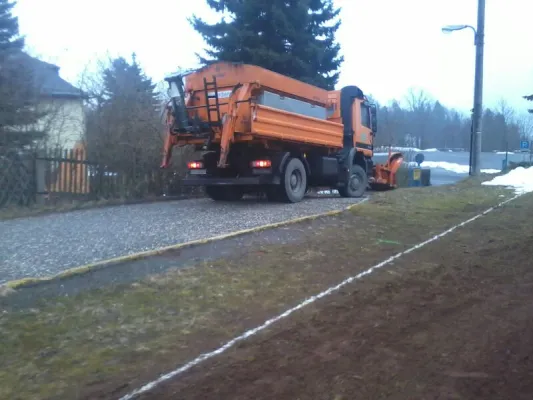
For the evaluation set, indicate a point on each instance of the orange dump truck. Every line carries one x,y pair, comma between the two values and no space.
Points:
265,132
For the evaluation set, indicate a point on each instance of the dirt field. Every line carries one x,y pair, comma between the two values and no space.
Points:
450,321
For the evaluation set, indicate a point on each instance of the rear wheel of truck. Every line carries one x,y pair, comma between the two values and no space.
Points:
224,193
293,182
357,183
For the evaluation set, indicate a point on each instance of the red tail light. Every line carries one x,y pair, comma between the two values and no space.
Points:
195,165
261,164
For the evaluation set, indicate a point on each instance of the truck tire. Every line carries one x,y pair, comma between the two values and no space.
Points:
224,193
293,181
357,183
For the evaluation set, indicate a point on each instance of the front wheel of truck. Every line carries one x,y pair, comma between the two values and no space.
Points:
224,193
357,183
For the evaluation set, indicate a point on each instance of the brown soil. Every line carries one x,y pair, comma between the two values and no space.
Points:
452,320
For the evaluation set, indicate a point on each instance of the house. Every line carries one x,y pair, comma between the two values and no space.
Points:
61,103
64,123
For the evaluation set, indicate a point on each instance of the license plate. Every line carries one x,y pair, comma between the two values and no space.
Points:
198,172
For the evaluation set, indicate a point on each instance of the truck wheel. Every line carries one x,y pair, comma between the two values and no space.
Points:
357,183
224,193
294,181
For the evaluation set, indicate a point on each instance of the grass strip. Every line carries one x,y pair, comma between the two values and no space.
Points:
119,336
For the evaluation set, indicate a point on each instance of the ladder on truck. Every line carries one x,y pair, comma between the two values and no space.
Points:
212,86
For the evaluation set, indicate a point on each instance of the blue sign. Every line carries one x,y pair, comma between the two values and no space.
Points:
524,144
419,158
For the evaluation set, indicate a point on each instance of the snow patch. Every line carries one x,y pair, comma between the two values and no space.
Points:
520,179
454,167
324,192
406,149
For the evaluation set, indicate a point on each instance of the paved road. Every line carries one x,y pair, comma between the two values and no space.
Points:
47,245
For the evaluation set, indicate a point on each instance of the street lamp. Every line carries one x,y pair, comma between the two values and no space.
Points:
479,36
453,28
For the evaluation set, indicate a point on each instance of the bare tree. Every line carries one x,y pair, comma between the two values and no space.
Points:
508,114
525,125
419,104
506,111
391,122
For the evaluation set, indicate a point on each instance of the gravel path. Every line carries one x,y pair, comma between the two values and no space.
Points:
47,245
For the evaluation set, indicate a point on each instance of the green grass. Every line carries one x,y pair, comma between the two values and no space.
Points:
440,201
66,346
98,333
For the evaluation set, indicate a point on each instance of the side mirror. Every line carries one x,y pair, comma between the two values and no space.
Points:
374,118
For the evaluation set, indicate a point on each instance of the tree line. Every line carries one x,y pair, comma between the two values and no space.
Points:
124,124
422,122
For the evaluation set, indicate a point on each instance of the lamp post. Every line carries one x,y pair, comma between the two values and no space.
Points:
479,39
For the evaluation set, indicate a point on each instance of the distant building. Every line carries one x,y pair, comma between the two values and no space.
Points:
62,102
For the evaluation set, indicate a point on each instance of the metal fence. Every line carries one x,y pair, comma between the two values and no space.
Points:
17,179
56,175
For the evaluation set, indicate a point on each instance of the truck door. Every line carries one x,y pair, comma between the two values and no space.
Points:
363,129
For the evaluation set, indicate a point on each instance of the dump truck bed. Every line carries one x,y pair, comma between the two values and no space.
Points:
230,74
269,122
277,107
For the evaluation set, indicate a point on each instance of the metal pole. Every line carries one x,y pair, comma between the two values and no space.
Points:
478,88
471,142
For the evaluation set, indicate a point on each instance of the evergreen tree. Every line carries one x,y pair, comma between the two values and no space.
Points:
292,37
124,126
10,41
125,82
18,88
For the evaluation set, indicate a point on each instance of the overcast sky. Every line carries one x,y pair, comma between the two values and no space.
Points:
388,45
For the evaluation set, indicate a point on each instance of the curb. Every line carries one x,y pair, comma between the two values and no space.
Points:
84,269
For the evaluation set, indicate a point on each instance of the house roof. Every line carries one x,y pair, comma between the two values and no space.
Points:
47,78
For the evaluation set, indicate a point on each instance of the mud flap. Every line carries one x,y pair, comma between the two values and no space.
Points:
345,160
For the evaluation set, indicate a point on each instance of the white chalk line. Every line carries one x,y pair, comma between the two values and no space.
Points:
149,386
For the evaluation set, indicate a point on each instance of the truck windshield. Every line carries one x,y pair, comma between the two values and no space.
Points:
173,90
